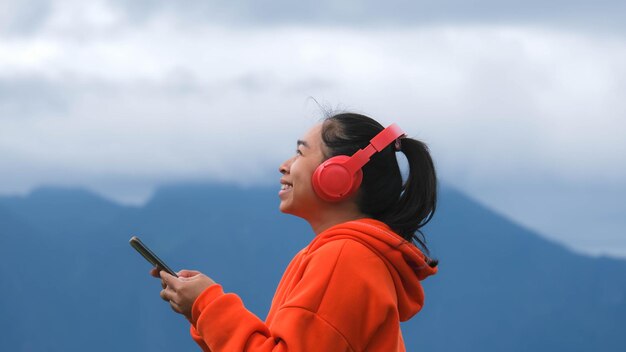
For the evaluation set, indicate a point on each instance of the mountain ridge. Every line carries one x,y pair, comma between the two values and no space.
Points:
500,285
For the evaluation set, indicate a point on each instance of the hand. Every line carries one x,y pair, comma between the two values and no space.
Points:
181,292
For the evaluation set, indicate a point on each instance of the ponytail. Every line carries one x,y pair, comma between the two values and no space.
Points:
418,198
405,208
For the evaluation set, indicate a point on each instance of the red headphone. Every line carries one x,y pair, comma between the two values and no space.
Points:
340,176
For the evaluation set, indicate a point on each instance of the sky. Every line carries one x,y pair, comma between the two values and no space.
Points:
521,103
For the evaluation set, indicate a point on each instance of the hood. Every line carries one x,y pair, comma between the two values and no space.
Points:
406,263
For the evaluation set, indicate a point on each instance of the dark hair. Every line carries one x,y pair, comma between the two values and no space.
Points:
404,207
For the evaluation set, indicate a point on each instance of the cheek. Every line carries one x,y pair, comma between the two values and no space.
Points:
303,172
302,179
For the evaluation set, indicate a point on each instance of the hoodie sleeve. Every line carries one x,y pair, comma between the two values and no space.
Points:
196,337
343,298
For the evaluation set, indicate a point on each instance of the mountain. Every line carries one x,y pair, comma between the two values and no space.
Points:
71,282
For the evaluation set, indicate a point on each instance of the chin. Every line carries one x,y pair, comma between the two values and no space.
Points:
288,209
284,208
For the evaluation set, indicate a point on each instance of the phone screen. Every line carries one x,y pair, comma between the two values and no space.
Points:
136,243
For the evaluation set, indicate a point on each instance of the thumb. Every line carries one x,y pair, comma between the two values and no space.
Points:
155,272
188,273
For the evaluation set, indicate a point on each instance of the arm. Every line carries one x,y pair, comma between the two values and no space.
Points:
342,298
225,324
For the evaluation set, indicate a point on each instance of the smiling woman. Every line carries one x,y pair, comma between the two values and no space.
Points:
350,288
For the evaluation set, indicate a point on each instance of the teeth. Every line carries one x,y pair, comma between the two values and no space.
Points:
285,186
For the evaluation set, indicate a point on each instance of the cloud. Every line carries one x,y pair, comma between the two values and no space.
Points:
389,13
496,89
522,97
30,97
23,17
32,16
120,105
156,130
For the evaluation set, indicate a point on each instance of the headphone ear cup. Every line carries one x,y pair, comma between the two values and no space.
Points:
333,182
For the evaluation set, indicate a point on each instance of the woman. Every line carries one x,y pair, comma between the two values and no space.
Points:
350,288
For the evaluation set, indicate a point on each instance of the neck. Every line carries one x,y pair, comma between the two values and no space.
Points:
335,215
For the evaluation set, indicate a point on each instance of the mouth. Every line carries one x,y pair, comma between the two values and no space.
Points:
284,187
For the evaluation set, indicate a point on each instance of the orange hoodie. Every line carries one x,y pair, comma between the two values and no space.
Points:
347,290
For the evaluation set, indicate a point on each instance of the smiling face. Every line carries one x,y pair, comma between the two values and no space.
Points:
297,196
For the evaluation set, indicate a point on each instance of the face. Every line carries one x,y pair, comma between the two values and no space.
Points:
297,196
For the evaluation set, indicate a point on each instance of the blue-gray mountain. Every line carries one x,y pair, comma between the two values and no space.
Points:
71,282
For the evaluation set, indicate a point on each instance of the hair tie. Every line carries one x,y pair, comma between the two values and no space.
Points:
397,145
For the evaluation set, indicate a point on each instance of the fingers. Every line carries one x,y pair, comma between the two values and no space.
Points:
156,272
176,307
168,296
165,294
169,280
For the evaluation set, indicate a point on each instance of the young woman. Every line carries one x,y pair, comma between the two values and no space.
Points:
359,277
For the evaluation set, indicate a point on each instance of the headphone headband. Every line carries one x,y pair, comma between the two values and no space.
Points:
377,144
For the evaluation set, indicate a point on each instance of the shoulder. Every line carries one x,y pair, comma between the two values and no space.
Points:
349,258
344,248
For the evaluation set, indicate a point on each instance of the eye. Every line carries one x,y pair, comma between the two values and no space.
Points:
298,152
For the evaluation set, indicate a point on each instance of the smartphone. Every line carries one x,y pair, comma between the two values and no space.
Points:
136,243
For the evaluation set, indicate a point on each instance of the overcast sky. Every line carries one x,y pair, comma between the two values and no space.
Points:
522,104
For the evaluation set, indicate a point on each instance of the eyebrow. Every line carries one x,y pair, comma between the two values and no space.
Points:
301,142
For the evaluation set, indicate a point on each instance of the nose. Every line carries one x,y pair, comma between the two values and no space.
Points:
285,166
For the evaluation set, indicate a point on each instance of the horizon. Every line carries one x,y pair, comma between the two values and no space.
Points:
201,184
